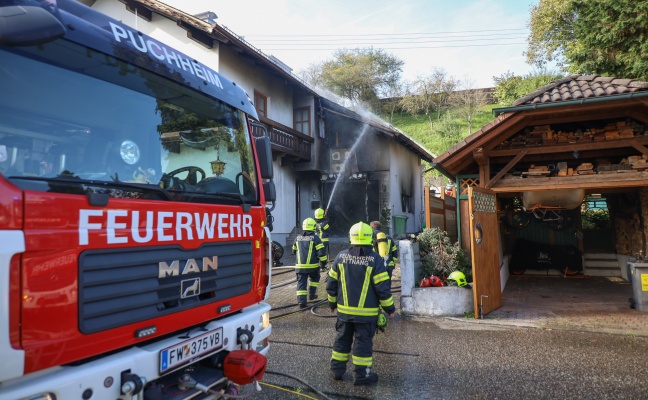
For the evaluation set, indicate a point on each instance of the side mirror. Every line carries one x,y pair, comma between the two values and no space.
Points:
269,191
264,153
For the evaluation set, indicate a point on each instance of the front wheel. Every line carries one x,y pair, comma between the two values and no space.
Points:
277,253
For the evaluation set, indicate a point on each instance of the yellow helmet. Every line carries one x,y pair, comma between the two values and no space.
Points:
309,224
361,234
458,277
319,213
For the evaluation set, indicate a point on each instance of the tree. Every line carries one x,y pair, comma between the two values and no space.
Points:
312,75
510,87
361,75
551,32
430,94
605,37
468,101
393,100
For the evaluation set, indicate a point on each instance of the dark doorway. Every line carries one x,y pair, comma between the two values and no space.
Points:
598,235
353,200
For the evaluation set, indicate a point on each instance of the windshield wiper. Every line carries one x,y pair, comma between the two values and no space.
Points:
74,179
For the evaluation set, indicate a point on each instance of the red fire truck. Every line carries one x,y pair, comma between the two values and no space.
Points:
134,245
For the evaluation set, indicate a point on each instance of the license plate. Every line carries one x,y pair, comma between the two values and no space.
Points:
181,353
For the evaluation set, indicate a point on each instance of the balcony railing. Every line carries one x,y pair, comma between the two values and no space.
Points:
285,140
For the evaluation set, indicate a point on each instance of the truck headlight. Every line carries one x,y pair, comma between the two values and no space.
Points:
265,320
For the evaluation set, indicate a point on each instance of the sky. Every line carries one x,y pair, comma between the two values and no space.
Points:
471,40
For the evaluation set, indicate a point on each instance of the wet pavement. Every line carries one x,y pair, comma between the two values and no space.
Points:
553,338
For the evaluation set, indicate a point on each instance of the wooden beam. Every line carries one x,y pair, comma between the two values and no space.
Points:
639,147
594,181
506,169
480,156
484,172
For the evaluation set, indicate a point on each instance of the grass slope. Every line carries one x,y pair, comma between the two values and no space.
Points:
445,133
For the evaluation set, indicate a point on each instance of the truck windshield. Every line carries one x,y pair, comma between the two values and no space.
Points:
75,120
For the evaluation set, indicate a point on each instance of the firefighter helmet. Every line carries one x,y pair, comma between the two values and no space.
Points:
458,277
436,281
319,213
309,224
361,234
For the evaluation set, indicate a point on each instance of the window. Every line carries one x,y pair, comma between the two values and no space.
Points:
67,140
302,120
261,103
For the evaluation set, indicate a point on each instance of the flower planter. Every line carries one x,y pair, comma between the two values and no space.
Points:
432,301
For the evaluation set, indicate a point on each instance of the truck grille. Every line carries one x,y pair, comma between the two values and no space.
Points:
121,286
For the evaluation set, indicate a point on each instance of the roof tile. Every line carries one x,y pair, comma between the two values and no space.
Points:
581,86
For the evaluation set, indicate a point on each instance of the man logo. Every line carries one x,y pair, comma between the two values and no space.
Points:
190,288
191,266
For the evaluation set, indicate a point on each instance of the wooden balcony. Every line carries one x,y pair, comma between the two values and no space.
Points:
285,140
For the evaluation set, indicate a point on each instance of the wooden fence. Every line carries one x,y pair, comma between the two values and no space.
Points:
441,212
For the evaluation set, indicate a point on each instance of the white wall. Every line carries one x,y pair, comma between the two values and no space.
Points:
405,171
250,77
164,30
284,211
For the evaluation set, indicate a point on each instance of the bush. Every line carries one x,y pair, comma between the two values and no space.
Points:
595,219
440,257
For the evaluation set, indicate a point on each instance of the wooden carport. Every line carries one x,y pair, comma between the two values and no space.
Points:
594,128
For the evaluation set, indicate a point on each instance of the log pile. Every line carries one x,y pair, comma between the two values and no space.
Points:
601,166
545,135
636,163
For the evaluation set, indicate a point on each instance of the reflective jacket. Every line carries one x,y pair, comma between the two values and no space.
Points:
392,252
322,229
358,285
310,252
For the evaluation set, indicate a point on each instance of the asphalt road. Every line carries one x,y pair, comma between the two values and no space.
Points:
449,359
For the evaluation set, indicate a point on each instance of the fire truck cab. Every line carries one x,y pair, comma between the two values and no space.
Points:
134,248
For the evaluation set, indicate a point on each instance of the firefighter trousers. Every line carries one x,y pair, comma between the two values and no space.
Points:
307,289
360,336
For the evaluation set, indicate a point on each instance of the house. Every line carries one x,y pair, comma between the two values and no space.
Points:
524,179
325,155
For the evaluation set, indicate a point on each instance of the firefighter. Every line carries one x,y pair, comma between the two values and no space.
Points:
384,245
358,286
322,230
310,256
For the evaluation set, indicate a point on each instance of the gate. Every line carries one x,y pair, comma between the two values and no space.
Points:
485,250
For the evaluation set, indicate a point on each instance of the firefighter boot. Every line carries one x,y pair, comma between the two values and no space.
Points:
337,375
338,368
364,376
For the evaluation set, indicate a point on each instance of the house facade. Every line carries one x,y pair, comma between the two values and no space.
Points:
325,155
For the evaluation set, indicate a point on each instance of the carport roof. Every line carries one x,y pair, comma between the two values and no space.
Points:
575,87
573,98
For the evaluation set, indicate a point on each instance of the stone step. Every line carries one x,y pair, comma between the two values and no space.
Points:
601,264
610,270
600,256
602,272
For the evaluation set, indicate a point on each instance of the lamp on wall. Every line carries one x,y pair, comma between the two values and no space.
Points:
217,166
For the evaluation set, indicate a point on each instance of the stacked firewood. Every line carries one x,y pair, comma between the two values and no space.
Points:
600,166
545,135
636,162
